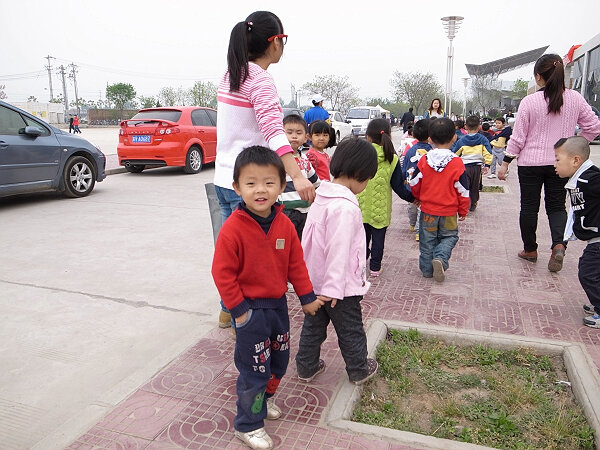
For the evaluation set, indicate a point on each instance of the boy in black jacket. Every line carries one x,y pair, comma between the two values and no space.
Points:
572,160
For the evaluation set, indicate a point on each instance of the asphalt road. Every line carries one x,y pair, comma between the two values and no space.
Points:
96,295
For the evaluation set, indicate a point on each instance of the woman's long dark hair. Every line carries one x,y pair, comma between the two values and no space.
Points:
380,133
248,41
551,69
439,110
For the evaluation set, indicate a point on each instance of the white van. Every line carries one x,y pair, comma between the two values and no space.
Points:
360,116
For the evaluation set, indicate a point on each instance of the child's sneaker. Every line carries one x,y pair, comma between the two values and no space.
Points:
590,309
592,321
412,228
491,175
273,411
372,366
438,270
257,439
319,370
376,273
417,237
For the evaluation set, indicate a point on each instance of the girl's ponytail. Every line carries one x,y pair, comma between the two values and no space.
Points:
551,69
237,55
380,133
248,41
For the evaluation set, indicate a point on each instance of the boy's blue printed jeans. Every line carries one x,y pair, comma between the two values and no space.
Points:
437,237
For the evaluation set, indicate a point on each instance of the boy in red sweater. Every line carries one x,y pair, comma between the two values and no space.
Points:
256,252
440,183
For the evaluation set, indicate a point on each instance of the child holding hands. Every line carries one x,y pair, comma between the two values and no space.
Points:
255,293
334,249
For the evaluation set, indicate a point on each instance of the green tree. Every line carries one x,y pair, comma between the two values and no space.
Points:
416,89
167,96
147,102
337,91
119,94
519,89
58,99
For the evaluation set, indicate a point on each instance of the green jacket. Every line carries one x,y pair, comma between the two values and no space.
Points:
376,200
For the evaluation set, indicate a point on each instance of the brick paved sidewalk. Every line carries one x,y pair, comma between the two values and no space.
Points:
191,403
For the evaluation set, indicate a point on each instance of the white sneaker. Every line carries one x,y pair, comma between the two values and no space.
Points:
491,175
257,439
438,270
273,411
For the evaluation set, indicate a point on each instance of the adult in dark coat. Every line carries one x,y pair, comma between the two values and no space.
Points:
406,118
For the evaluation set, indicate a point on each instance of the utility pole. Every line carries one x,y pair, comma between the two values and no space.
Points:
74,78
64,82
49,68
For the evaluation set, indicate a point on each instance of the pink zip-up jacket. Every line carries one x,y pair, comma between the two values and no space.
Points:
535,131
334,243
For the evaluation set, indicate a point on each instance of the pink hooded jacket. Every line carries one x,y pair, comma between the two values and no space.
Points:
334,243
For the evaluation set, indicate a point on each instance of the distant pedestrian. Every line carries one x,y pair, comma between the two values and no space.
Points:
440,183
435,110
543,118
410,160
76,124
334,251
71,120
498,143
583,221
317,112
407,117
475,151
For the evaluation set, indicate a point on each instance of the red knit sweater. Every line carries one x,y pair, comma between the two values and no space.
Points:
251,268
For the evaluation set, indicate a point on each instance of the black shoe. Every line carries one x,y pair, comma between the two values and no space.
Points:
372,367
319,370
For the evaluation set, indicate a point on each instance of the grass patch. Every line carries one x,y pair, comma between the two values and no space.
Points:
506,399
499,189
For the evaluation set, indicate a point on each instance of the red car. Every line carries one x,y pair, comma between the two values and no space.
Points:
173,136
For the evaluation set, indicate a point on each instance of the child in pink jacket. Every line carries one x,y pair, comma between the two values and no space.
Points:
334,250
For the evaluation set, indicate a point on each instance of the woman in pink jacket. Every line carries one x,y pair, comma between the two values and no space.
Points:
334,250
543,118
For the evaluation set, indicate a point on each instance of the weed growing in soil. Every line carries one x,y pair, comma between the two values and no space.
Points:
499,398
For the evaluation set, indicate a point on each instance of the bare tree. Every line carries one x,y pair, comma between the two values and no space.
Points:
486,94
417,89
2,93
337,90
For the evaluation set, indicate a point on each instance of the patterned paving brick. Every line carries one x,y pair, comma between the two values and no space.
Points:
191,403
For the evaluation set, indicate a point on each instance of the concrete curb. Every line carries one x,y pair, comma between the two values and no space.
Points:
584,378
115,171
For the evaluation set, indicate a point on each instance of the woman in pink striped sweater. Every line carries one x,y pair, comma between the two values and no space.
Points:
543,118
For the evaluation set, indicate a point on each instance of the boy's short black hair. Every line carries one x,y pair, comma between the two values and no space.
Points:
355,158
421,130
441,131
472,123
485,126
501,119
459,123
575,145
294,118
261,156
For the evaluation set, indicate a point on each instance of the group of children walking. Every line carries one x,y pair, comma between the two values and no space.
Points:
322,250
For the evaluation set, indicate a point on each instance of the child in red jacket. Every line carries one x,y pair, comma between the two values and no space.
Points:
440,183
256,253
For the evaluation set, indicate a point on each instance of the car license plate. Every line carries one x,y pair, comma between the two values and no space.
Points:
136,139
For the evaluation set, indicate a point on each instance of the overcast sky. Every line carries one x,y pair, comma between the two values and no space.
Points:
152,44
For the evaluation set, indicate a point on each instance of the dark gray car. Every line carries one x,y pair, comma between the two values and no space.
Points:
35,156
